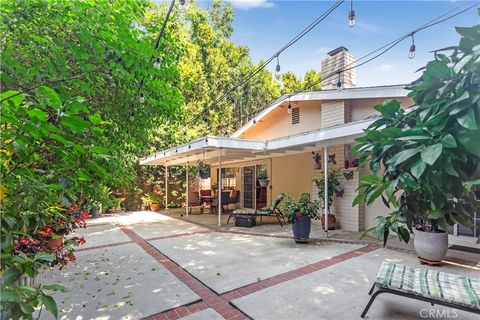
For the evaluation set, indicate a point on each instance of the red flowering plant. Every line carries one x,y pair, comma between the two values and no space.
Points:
297,208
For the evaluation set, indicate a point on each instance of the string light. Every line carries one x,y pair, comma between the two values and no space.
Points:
182,2
141,98
254,121
411,53
157,64
351,16
277,69
289,109
132,116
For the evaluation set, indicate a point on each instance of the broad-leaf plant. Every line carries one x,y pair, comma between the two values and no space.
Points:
424,161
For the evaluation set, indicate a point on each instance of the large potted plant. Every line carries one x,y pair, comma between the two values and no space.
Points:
263,176
203,170
334,189
153,200
425,162
300,212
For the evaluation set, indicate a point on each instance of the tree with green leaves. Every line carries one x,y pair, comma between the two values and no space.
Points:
73,121
425,162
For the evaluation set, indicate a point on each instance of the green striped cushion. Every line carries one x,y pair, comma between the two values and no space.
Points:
393,275
245,211
448,287
430,283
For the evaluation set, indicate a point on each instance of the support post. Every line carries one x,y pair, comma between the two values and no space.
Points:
220,189
325,195
187,189
166,187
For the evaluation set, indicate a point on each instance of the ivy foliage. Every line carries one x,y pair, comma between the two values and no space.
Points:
425,161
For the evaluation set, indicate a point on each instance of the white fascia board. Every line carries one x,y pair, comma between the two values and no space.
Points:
258,117
354,93
321,137
205,143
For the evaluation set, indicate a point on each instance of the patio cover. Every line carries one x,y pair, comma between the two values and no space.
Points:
213,150
224,150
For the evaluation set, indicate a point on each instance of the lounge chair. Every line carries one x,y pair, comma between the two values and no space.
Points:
270,211
446,289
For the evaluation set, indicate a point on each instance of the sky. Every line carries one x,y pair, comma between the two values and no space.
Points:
265,26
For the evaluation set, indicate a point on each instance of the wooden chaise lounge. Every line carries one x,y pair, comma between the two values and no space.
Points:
446,289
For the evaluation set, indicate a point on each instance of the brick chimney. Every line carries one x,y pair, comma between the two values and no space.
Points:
335,60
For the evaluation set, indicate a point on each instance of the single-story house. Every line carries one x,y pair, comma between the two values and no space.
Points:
285,134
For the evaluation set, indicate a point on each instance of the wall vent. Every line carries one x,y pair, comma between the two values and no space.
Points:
295,115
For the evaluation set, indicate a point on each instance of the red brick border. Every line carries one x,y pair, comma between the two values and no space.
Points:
254,287
209,298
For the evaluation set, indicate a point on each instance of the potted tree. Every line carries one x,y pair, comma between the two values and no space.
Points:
203,170
263,176
334,189
300,212
430,155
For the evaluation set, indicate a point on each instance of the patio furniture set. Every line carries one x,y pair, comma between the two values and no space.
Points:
205,199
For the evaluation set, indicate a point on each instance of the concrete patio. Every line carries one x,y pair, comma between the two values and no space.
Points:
165,266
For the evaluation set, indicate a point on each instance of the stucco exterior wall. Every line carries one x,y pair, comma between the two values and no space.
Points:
279,122
362,108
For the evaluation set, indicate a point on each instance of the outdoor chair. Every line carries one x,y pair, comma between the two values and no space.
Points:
436,287
206,198
194,202
225,201
233,197
270,211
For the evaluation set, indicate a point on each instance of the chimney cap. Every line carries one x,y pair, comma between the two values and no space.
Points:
338,50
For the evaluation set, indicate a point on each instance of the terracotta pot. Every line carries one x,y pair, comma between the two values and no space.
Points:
332,221
431,247
54,243
154,207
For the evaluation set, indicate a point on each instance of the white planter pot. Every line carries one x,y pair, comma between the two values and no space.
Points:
263,183
430,246
34,282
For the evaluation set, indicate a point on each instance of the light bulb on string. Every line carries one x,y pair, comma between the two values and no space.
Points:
339,82
254,121
289,108
182,6
351,16
277,70
411,53
132,116
158,63
141,98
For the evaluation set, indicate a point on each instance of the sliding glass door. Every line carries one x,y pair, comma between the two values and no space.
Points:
249,187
